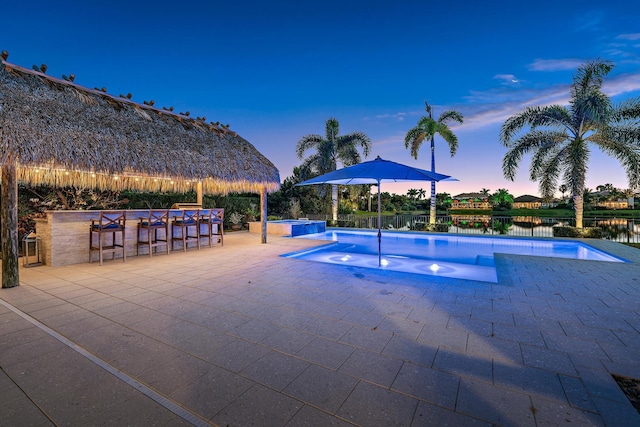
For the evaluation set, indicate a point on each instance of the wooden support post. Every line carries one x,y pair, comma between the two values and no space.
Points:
263,213
199,193
9,225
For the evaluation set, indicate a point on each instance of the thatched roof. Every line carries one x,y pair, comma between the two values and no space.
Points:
61,133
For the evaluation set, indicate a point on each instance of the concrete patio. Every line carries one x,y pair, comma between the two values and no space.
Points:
239,336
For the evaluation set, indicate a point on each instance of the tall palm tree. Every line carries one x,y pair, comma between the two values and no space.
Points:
559,136
331,149
428,128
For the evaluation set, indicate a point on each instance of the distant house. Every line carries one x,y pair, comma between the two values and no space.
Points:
527,202
604,199
471,201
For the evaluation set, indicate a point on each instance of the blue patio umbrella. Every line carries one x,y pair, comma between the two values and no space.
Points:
375,172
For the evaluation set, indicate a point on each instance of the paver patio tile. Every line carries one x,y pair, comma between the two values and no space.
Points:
411,350
259,406
326,352
205,343
371,339
309,416
494,404
325,327
600,384
455,339
551,360
405,327
527,379
618,414
575,346
322,387
275,370
463,364
175,373
212,392
518,334
500,350
255,330
556,412
428,415
471,325
373,367
289,341
370,405
368,319
577,394
427,384
236,355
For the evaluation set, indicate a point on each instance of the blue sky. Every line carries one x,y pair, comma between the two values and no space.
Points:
276,71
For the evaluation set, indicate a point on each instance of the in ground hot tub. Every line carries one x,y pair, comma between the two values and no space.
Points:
290,227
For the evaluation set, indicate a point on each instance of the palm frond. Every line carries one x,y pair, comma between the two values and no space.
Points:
307,142
451,139
526,143
449,116
413,140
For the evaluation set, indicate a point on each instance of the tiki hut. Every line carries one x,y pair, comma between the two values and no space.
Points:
58,133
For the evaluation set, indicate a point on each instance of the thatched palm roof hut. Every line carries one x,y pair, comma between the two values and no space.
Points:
55,132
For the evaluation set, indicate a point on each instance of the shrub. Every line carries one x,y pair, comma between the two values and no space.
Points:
566,231
593,232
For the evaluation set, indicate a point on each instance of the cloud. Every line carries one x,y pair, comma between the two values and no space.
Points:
630,36
555,64
488,112
507,79
622,84
397,116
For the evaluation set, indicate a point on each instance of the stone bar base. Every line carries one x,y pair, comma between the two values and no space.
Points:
65,236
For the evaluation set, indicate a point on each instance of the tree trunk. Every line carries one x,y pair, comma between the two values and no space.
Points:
263,214
432,209
334,202
9,226
578,205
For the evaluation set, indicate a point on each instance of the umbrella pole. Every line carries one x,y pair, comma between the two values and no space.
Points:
379,225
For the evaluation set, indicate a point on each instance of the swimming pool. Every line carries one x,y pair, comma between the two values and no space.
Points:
462,257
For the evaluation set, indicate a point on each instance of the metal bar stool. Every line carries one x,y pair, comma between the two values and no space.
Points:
157,220
110,222
183,222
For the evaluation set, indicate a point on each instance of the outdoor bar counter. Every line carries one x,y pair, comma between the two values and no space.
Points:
65,235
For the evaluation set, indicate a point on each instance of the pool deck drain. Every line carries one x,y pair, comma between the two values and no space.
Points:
239,335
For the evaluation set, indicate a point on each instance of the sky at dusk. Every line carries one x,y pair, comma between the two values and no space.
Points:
276,71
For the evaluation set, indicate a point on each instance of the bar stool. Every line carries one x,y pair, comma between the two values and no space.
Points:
183,222
150,225
210,218
110,222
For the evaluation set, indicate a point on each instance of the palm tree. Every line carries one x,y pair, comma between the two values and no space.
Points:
559,136
502,199
428,128
329,150
563,189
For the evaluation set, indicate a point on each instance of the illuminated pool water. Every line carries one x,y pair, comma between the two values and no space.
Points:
462,257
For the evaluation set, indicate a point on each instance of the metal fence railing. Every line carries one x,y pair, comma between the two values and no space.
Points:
616,229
